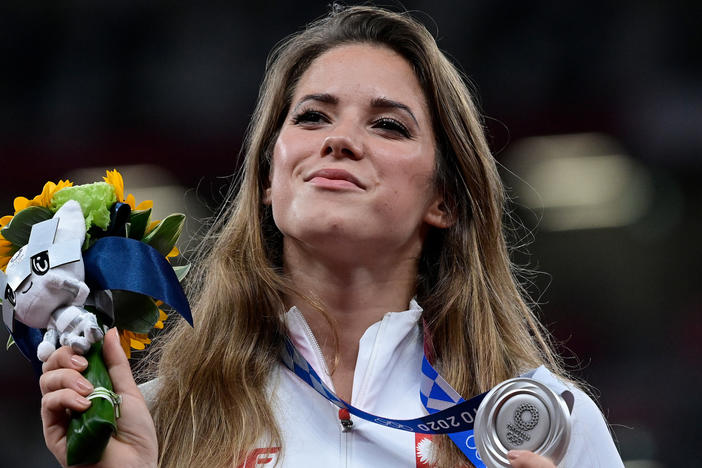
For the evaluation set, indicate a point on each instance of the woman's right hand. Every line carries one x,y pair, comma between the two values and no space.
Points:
64,388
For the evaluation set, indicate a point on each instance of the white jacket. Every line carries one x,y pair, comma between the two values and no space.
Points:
386,383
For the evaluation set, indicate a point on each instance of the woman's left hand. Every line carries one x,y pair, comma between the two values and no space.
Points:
527,459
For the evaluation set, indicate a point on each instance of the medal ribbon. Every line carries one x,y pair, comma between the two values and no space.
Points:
442,396
448,412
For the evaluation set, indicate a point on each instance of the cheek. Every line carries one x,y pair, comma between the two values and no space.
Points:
411,177
282,163
279,189
291,144
274,176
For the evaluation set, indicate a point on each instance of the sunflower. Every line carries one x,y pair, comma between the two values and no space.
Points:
44,198
161,316
114,178
7,248
129,339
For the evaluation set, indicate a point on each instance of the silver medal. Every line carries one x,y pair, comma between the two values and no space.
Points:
522,414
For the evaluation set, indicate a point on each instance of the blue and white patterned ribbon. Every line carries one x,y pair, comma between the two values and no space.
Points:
437,396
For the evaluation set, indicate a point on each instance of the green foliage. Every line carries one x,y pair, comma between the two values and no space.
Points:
138,221
17,231
134,312
164,236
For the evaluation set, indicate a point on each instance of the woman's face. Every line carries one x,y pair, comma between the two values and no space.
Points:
353,165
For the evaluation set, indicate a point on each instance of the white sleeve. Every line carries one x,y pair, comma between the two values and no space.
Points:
591,444
148,391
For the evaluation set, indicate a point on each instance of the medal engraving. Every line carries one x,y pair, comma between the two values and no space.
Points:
526,417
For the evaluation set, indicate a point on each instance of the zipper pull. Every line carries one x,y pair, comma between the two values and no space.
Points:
345,420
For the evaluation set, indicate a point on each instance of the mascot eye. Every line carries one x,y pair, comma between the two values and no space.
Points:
40,263
10,295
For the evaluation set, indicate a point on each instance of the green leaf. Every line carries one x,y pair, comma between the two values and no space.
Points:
181,271
138,221
17,231
134,312
165,235
10,342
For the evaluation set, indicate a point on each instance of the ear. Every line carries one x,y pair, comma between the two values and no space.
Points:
71,222
267,191
267,195
438,214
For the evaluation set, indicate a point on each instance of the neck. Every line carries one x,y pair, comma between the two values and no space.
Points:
353,296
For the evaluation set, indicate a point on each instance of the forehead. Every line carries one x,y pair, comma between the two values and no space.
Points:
363,71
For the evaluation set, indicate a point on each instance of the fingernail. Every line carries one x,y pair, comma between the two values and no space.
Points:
84,385
79,361
82,401
513,454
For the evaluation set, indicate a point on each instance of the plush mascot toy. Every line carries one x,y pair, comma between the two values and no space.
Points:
46,284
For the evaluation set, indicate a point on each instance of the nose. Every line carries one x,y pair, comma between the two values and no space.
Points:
341,146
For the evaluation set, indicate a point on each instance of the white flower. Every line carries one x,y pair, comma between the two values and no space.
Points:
424,450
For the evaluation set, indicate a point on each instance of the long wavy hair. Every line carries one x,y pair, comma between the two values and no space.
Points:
211,407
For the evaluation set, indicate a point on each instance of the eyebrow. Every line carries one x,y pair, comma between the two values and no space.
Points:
322,97
385,103
380,102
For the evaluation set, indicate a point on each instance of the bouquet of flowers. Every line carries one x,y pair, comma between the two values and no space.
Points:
75,260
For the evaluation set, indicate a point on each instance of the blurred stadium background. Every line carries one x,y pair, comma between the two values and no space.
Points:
594,109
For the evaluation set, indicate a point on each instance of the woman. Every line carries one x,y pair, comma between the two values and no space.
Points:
367,190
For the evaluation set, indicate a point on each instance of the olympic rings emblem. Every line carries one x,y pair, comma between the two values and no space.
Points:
393,424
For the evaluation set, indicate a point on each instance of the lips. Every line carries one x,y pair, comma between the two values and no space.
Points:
335,175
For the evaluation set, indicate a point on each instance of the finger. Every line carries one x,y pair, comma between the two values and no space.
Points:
65,358
64,378
118,365
527,459
55,404
54,415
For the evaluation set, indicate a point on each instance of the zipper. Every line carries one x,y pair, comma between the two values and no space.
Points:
315,345
345,446
345,420
345,423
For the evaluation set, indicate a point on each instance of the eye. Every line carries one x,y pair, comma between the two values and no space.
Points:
10,295
392,125
310,117
40,263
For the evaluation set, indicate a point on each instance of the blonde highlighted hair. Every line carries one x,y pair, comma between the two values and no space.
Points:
211,407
